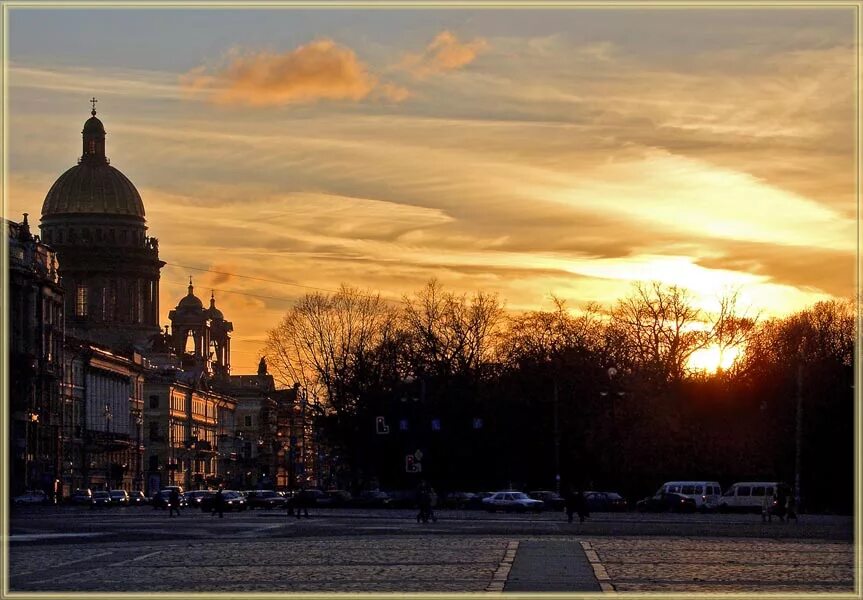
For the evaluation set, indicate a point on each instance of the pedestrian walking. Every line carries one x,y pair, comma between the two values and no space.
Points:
424,502
302,501
791,508
219,504
780,502
174,502
581,506
570,503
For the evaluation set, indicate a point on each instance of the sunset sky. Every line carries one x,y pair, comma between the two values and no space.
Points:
524,152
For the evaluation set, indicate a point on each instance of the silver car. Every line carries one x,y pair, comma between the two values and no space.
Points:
512,501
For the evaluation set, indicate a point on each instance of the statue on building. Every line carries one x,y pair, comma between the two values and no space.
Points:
262,367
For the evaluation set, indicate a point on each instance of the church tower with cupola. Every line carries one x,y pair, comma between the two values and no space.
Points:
94,217
201,337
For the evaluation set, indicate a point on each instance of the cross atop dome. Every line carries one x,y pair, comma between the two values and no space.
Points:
93,101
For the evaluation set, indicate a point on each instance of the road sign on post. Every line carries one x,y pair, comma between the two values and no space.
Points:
412,465
381,426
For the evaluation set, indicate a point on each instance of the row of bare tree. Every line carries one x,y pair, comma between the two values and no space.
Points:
601,397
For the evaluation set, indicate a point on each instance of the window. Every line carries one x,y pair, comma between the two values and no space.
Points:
758,490
744,490
769,490
688,490
154,462
154,431
154,401
247,420
92,148
81,301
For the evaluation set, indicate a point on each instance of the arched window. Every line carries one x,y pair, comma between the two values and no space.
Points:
190,342
92,147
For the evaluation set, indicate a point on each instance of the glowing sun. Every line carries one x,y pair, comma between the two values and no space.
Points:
713,358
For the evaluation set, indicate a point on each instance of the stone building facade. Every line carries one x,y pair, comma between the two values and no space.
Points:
35,362
189,432
102,419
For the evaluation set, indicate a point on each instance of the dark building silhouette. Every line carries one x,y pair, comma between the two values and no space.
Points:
35,362
94,217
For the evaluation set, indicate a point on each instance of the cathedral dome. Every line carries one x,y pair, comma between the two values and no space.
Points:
190,302
93,186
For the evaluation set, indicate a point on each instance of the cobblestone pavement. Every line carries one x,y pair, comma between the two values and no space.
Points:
379,564
387,551
725,565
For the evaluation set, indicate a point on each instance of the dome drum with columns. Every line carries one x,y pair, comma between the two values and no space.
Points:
94,217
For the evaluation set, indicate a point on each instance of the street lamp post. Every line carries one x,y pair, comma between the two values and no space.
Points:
556,437
108,416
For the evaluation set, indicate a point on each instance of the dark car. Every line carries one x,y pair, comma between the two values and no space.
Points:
82,496
100,498
231,501
161,499
373,499
119,497
460,500
31,497
552,500
137,498
335,498
265,499
666,502
605,502
306,498
195,497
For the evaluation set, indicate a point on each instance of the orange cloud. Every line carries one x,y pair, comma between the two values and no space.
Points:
319,70
444,53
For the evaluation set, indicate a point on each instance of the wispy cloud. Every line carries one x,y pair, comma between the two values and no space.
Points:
319,70
444,53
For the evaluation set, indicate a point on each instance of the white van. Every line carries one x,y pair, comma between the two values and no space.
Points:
748,496
705,493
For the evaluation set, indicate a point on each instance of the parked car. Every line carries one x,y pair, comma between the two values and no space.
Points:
476,503
552,500
100,498
749,496
82,496
161,499
706,494
373,499
265,499
335,498
667,502
194,498
308,497
119,497
459,500
232,500
137,498
605,502
512,501
31,497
